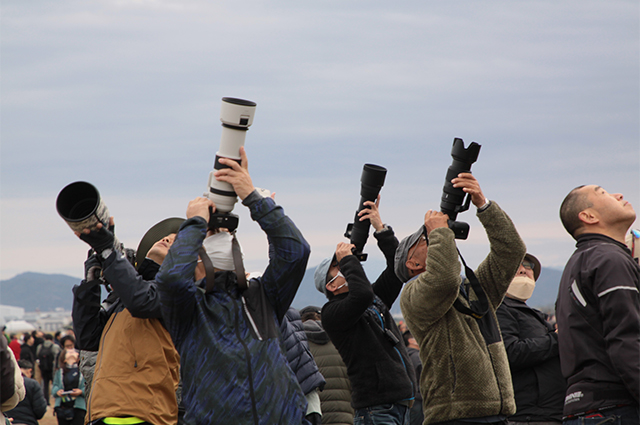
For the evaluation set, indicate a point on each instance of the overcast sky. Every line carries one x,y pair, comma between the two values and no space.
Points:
126,94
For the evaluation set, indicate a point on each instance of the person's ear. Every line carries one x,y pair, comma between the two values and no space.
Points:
588,216
331,286
412,265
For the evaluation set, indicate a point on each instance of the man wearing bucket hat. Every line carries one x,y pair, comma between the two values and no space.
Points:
137,367
225,327
465,371
358,322
532,347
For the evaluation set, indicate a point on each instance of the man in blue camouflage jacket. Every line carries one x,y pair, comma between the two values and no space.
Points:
233,365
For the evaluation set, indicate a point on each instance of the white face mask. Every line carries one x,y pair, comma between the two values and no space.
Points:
521,288
335,277
218,247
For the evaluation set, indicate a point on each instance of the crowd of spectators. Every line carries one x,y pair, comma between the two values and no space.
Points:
186,336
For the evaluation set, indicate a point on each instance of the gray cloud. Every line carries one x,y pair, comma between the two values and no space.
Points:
126,94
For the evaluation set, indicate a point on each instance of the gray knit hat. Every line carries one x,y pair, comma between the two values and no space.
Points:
320,275
400,261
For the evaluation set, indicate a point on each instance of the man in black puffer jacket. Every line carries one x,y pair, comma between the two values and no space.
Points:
532,349
335,399
302,363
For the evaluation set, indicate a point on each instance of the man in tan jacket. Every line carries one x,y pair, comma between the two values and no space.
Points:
465,375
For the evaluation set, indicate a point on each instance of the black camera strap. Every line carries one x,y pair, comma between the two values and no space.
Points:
237,263
477,308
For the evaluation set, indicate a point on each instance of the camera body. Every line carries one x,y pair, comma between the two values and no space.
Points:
236,116
453,199
372,180
81,207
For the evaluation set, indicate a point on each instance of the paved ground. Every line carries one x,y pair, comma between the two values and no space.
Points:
48,418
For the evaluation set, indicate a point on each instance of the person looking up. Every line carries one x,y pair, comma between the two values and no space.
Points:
598,310
532,348
225,326
358,321
465,371
136,372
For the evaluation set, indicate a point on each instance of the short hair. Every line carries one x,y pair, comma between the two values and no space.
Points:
25,364
574,203
67,338
48,337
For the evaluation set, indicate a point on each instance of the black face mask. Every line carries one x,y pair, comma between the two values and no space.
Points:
148,269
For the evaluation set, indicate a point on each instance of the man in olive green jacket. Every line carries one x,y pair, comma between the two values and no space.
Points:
465,371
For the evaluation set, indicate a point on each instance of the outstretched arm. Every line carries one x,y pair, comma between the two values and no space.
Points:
507,249
431,294
387,286
89,317
288,250
175,279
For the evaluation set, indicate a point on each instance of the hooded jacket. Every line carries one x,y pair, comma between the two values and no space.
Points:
137,368
234,368
465,371
335,399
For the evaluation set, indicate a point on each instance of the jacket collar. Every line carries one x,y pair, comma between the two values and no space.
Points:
589,239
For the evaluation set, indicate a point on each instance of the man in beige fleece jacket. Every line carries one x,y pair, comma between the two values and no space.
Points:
465,376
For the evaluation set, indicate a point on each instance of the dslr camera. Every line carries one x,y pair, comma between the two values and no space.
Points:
453,199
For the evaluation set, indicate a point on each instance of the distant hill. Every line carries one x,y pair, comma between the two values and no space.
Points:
546,292
38,291
46,292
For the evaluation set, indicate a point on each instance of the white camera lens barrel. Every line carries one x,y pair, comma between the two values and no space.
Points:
236,116
237,113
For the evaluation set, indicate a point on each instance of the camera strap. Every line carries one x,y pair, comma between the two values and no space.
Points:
237,262
208,268
477,308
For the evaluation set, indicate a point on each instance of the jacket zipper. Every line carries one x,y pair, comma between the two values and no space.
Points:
97,367
253,324
254,410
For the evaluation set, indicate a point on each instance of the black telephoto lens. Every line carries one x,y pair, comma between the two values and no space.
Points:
371,181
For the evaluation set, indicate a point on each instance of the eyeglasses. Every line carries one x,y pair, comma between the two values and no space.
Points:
335,277
528,265
415,247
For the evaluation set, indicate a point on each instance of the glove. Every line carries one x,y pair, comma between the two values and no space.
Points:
99,239
92,268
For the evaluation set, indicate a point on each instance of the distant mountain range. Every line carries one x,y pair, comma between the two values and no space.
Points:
46,292
38,291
